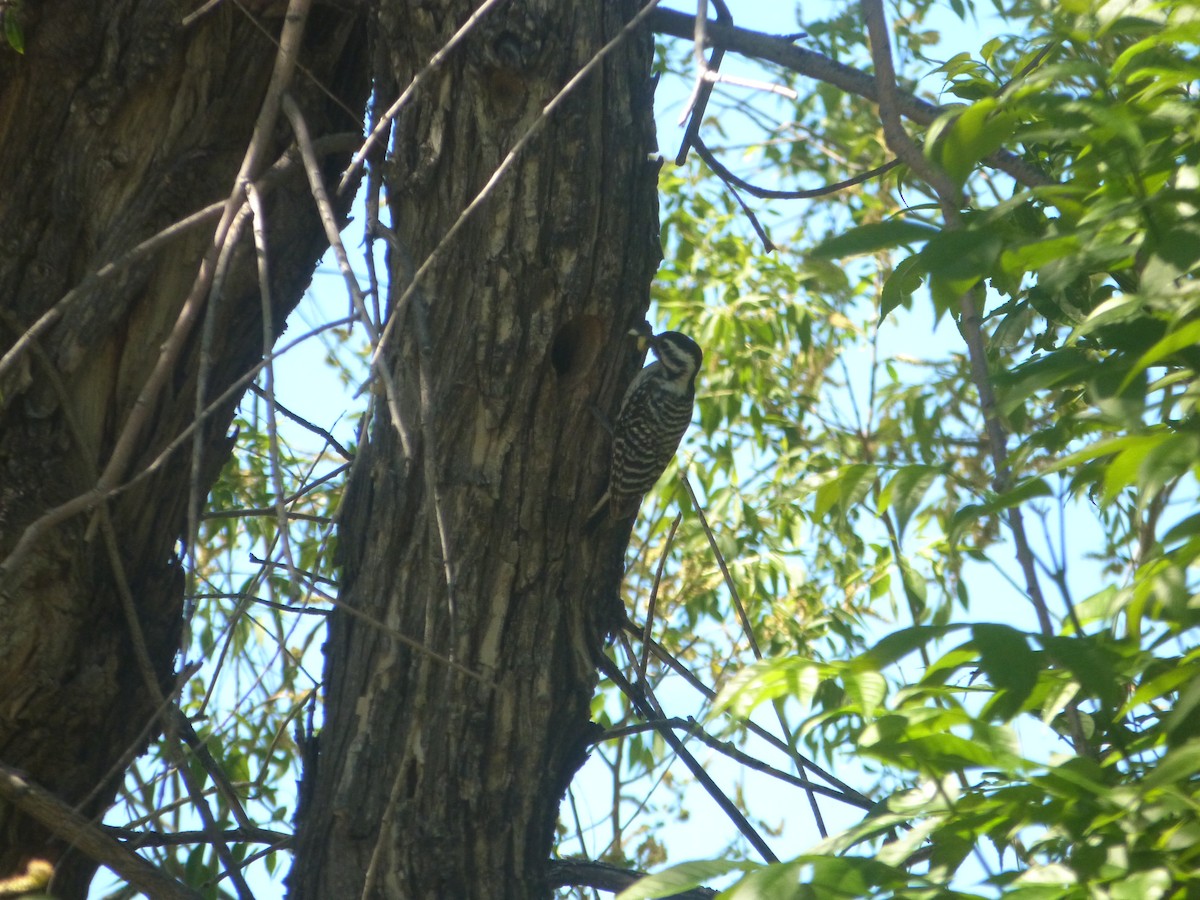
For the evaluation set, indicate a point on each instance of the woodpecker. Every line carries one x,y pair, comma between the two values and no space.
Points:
655,412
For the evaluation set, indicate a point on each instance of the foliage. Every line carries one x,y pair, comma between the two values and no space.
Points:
1055,759
10,19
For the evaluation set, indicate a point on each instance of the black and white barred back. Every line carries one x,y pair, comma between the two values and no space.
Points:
655,412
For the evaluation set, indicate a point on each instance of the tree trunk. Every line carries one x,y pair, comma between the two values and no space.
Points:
117,121
462,525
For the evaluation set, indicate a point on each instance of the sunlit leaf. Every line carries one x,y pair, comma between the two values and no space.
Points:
873,238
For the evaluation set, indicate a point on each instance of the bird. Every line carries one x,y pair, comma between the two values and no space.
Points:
655,412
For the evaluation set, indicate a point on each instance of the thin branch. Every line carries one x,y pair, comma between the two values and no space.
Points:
726,748
282,167
729,583
754,728
605,877
273,604
130,438
257,512
752,83
134,837
90,839
613,673
949,197
316,183
11,565
357,298
698,102
706,154
200,805
210,765
352,115
888,97
305,424
662,562
136,634
768,244
274,457
781,51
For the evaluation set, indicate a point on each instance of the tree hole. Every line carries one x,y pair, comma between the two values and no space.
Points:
575,348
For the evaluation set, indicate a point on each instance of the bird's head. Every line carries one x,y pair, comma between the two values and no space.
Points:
678,354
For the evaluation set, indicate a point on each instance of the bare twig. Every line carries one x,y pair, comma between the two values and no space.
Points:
10,566
316,183
753,83
306,425
613,673
887,96
706,154
200,806
605,877
703,90
135,837
131,433
662,562
738,606
693,729
90,839
665,657
768,244
275,460
781,51
282,167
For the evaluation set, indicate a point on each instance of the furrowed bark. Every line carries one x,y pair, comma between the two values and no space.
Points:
462,526
116,122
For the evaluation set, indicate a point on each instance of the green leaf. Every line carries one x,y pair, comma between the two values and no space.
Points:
1036,254
897,645
1180,766
1177,340
915,590
12,31
867,689
963,256
873,237
767,680
905,279
844,489
682,877
1021,493
1090,662
973,134
779,881
1039,374
1010,665
905,490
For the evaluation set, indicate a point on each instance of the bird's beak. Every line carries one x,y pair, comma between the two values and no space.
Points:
645,337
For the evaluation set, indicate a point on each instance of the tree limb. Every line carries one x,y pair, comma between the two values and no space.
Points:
90,839
970,323
783,52
602,876
640,703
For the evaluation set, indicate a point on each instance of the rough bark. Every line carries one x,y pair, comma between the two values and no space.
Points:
429,782
116,122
